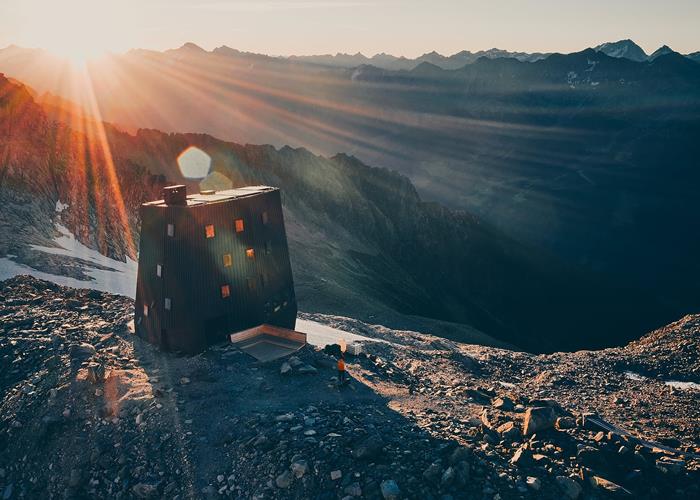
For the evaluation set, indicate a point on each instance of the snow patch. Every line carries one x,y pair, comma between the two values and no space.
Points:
323,335
117,277
635,376
60,207
676,384
507,385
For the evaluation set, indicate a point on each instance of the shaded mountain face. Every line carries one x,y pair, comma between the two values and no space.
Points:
362,241
626,49
662,51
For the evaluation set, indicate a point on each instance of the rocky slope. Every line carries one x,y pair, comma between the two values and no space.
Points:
88,410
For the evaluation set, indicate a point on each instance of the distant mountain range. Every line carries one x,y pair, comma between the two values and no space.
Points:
586,159
623,49
626,49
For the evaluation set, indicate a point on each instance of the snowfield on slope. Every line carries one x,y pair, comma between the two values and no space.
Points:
108,275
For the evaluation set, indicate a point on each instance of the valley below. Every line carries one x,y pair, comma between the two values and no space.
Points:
89,410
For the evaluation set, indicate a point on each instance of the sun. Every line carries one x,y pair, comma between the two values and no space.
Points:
76,30
77,52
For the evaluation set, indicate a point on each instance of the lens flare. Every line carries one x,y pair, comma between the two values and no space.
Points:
194,163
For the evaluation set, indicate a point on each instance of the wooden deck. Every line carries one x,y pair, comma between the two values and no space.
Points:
267,343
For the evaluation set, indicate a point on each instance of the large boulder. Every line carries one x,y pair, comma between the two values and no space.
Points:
284,480
390,490
522,457
590,457
609,487
569,487
368,448
538,419
509,431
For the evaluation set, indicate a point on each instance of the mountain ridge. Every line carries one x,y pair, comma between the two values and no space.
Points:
625,49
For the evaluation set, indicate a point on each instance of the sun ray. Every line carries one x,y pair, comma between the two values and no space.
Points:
100,143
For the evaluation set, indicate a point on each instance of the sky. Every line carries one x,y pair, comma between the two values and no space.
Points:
86,28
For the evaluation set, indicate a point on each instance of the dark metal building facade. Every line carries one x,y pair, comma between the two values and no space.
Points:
211,264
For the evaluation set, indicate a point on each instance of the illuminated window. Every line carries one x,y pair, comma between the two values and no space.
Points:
209,230
168,303
145,310
250,253
239,225
264,218
268,247
228,261
251,284
171,230
225,291
159,270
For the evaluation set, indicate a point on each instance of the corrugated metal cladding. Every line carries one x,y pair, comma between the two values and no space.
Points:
195,268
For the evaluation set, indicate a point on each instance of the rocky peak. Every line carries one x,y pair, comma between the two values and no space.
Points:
190,46
661,51
623,49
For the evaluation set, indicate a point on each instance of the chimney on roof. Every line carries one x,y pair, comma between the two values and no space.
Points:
175,195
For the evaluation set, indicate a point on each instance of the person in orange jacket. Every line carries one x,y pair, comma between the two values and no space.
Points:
342,374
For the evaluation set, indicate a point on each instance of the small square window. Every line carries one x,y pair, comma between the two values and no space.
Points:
168,303
251,284
225,291
145,310
264,218
268,247
159,270
228,261
209,230
250,253
171,230
239,225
